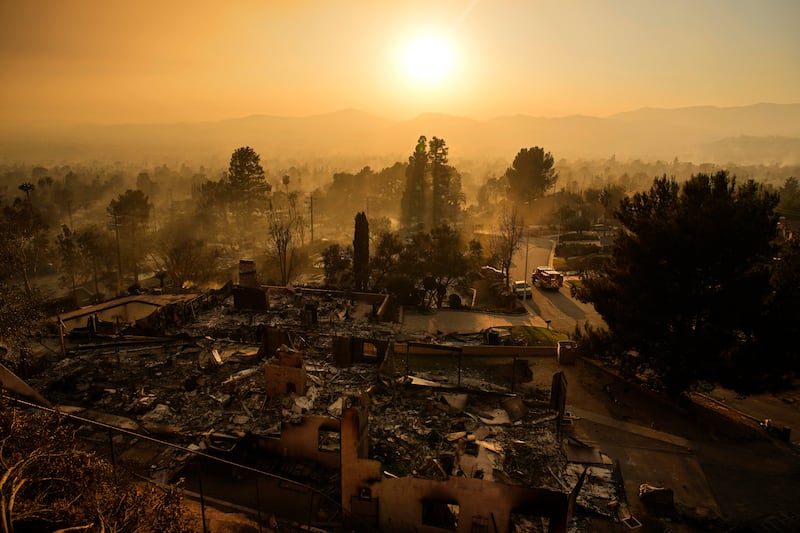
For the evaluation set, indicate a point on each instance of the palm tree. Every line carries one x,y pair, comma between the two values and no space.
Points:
27,187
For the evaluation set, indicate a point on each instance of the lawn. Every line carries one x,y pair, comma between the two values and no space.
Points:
537,336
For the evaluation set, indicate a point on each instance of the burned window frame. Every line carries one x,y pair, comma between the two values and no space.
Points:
439,513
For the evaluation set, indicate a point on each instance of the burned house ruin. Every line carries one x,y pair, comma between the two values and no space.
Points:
326,419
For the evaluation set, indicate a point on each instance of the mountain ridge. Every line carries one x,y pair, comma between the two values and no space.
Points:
647,133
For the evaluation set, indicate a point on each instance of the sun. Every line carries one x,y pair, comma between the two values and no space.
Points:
428,60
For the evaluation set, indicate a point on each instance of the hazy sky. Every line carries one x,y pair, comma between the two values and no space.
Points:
167,60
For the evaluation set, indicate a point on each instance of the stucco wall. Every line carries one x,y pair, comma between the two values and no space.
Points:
400,501
300,441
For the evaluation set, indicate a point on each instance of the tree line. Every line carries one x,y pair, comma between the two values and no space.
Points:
415,237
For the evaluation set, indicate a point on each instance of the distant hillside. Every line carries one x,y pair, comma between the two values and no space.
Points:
756,120
748,134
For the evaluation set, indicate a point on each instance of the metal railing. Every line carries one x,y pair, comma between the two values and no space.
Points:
225,484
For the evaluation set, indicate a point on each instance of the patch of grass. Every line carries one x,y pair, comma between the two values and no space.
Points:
577,283
580,262
559,263
574,236
536,336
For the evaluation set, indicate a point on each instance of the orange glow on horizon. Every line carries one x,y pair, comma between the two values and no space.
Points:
158,62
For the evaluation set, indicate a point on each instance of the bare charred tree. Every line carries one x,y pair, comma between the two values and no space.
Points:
48,482
189,261
130,213
20,318
385,262
96,248
23,239
507,239
70,255
338,265
361,252
281,233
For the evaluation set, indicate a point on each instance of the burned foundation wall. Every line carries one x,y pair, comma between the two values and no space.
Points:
252,298
271,341
284,376
316,439
359,474
282,380
415,504
410,504
481,350
248,276
377,303
350,350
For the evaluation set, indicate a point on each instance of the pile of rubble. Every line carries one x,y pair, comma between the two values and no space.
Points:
435,433
235,374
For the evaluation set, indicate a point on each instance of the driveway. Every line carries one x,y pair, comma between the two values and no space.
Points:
446,321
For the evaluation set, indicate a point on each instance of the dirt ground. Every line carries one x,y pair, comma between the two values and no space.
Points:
217,521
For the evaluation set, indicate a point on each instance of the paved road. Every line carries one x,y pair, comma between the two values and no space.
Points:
539,252
563,311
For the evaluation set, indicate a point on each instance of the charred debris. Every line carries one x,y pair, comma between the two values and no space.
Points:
315,389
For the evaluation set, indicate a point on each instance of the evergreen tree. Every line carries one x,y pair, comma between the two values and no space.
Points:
413,203
440,178
246,186
361,252
530,175
689,275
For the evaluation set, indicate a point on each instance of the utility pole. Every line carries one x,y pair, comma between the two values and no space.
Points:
69,212
311,211
524,290
119,256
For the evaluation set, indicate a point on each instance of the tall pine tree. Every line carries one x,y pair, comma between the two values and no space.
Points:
413,204
361,252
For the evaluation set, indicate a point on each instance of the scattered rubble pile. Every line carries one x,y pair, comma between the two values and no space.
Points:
193,390
234,375
432,433
334,314
601,492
